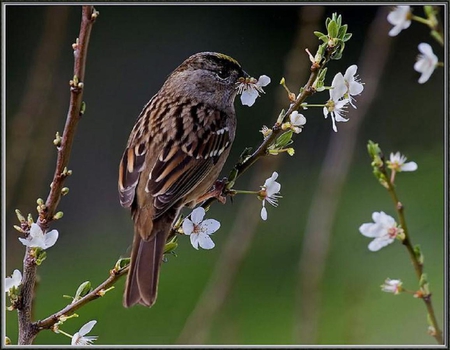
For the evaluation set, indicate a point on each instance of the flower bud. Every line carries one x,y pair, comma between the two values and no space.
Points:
57,140
121,264
84,289
58,215
19,215
64,191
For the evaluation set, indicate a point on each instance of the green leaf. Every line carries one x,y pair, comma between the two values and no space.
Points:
419,254
170,247
318,34
246,153
336,56
333,29
347,37
284,140
342,31
41,255
321,36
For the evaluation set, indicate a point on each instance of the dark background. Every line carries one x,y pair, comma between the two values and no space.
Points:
132,50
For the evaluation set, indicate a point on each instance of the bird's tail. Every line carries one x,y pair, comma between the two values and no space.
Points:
146,257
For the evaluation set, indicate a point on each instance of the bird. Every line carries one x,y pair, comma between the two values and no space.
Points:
174,154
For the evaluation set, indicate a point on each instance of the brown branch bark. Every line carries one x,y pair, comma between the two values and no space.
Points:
96,293
27,329
332,178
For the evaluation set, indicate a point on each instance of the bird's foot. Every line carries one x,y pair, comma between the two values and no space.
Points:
217,191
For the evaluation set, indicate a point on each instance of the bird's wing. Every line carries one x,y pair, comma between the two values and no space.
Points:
180,167
190,149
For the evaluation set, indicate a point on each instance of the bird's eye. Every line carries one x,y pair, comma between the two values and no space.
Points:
222,74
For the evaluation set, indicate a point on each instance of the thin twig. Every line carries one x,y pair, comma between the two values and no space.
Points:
73,116
27,329
48,322
418,266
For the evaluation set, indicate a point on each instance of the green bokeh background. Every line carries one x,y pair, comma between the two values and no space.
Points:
132,50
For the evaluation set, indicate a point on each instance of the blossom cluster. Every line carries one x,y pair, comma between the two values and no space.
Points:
200,230
343,88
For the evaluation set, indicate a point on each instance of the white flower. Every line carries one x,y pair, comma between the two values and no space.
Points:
297,121
250,88
269,192
338,87
14,281
384,230
400,18
397,163
80,338
37,238
337,103
426,62
352,83
336,108
392,286
200,230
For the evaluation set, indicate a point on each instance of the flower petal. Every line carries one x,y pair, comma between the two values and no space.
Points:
76,339
50,238
205,241
339,118
210,226
385,220
369,230
35,231
410,166
264,213
87,328
271,180
338,87
350,72
425,76
426,49
333,122
355,88
395,30
379,243
249,96
197,215
273,188
194,240
188,226
325,112
25,242
263,80
14,281
297,119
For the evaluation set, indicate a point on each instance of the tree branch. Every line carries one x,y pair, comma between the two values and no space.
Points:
48,322
28,330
